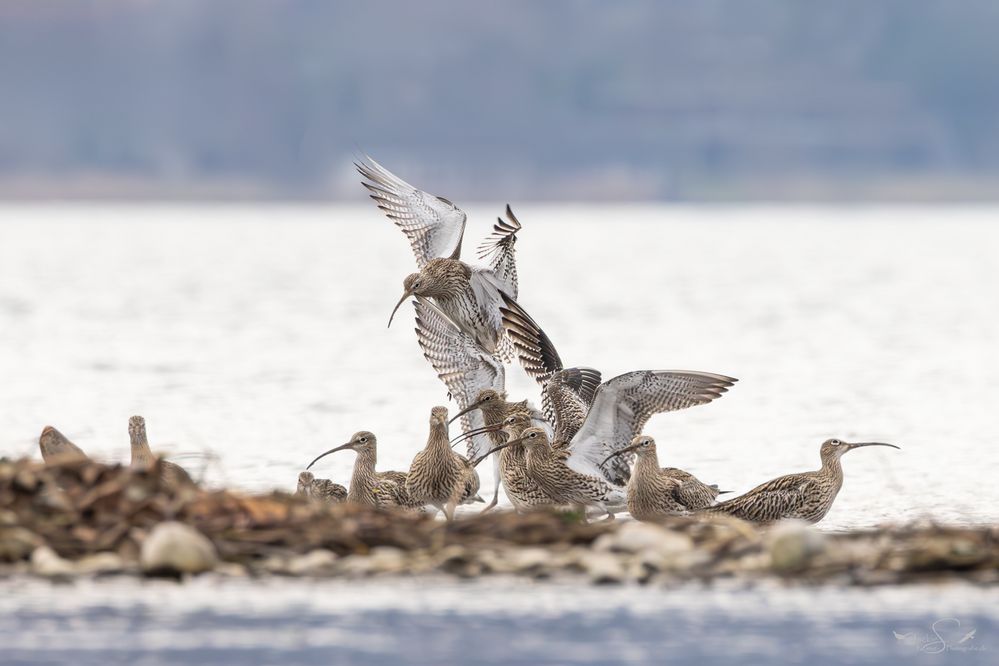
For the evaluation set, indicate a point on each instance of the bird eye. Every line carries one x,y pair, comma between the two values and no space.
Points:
363,439
533,435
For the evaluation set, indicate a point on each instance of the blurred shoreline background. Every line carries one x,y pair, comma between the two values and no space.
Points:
713,101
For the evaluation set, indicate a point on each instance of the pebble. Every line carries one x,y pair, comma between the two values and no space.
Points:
17,543
101,564
46,562
177,548
792,545
528,561
603,568
636,537
319,562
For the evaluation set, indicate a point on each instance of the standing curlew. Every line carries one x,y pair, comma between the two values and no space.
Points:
465,368
495,409
323,490
549,469
805,496
616,411
521,489
438,476
654,492
367,485
469,296
172,474
55,446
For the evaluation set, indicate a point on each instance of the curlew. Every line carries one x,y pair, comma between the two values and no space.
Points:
465,368
655,492
172,474
367,485
805,496
549,469
469,296
55,446
495,409
615,411
440,477
521,489
323,490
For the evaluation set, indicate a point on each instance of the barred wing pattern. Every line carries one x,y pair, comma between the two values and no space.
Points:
534,348
624,405
463,366
567,397
500,246
433,225
794,495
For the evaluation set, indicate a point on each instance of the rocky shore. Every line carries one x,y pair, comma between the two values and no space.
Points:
81,518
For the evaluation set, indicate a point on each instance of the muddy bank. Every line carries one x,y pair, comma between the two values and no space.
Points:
80,518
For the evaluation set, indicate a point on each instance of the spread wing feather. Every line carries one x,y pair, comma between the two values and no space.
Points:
433,225
463,366
533,347
566,398
624,404
500,246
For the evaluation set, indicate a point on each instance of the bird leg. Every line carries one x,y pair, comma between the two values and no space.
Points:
496,484
449,510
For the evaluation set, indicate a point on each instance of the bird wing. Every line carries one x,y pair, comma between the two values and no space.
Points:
490,293
433,225
500,246
769,501
624,404
463,366
533,347
566,398
692,492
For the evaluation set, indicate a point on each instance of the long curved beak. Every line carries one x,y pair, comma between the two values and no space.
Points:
626,449
470,408
475,431
348,445
857,446
405,295
495,449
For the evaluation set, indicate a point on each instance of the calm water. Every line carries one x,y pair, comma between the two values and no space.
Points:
257,336
489,622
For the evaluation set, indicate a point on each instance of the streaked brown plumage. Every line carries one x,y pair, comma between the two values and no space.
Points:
171,473
520,487
805,496
566,398
435,227
616,411
655,492
322,490
694,493
495,410
367,485
462,364
548,468
55,446
438,476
